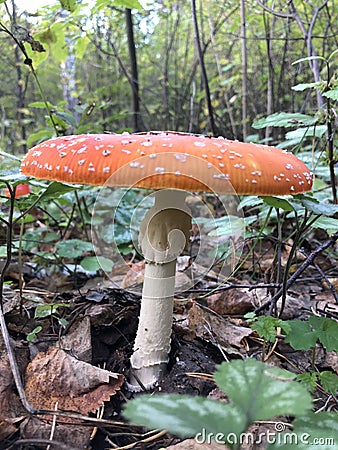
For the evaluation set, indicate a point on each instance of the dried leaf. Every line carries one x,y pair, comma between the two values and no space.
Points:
56,377
78,341
213,328
233,301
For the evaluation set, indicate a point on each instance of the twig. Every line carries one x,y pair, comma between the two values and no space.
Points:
300,270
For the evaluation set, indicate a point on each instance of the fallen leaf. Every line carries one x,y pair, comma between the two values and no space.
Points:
78,342
232,302
216,329
56,377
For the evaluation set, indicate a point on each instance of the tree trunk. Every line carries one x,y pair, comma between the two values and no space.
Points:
244,72
134,70
203,70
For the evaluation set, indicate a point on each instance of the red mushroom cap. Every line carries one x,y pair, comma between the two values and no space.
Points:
21,190
168,160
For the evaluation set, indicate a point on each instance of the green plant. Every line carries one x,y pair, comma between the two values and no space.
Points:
255,392
302,335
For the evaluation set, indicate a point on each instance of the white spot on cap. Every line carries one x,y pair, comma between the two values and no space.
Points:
147,143
81,162
199,144
182,157
106,152
36,153
134,164
152,155
159,169
127,152
106,169
222,176
289,166
82,150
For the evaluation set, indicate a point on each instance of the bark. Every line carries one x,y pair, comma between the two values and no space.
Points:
134,70
200,55
244,72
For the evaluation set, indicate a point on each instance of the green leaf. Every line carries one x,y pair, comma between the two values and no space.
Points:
326,330
57,189
47,310
41,105
304,334
325,209
300,336
303,86
32,335
308,58
39,136
94,263
69,5
184,415
317,431
261,391
73,248
301,133
309,380
67,117
328,224
277,202
333,94
283,119
266,327
329,381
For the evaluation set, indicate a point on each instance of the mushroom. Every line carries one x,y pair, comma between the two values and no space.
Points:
21,190
171,163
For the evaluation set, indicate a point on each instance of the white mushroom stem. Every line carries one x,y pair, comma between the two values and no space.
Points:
164,233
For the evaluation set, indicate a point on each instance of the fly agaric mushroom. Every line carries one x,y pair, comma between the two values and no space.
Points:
170,163
20,190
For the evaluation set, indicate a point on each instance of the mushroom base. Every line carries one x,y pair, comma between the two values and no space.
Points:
164,233
152,343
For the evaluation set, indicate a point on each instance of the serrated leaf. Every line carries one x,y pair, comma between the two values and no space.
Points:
329,381
309,380
300,336
283,119
326,330
184,415
266,327
314,430
261,391
277,202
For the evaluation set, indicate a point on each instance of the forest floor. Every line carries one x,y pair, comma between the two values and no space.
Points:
82,365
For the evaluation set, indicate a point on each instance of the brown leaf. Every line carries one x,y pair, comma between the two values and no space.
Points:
78,341
56,377
233,301
76,436
216,329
